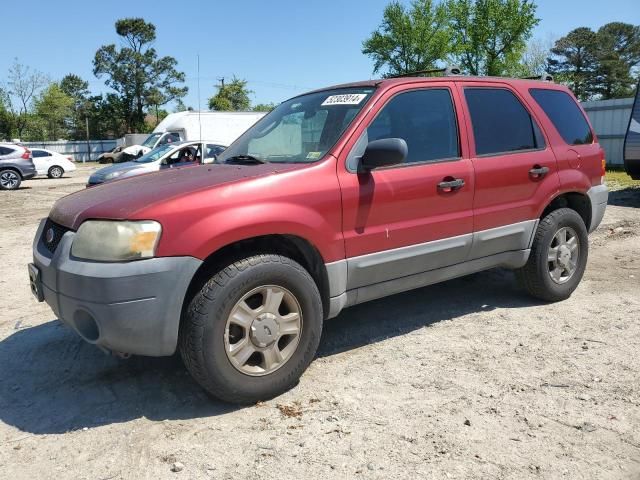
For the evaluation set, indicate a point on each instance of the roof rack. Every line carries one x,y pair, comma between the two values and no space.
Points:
448,71
545,77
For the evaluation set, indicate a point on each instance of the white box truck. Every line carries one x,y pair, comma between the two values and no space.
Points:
221,127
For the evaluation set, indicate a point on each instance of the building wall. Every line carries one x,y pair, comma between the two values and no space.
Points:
610,119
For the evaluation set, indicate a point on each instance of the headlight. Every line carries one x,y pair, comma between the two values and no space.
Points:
116,241
112,175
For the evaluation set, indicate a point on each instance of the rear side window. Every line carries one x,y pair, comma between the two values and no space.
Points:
425,119
40,153
500,122
5,151
564,114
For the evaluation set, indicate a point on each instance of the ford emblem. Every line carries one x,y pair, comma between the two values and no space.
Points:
51,235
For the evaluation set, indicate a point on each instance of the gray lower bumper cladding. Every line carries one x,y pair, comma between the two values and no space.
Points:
131,307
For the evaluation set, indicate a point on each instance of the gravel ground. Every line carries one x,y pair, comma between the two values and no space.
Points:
467,379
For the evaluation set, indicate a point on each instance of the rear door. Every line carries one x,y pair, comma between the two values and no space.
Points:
41,159
515,169
402,220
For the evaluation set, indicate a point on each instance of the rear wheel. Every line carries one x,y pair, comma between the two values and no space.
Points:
253,329
558,256
10,180
55,172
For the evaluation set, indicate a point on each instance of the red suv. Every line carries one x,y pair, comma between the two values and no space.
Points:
336,197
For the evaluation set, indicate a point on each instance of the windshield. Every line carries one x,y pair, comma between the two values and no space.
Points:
155,154
151,140
300,130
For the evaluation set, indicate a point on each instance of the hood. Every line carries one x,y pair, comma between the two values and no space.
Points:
120,200
100,175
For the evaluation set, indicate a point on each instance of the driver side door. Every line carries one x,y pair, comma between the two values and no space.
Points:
403,220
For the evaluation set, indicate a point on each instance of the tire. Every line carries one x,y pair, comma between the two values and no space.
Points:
55,172
540,275
207,329
10,179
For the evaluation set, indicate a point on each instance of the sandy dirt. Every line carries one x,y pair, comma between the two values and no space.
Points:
467,379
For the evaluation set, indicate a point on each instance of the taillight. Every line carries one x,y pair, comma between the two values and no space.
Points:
603,170
27,154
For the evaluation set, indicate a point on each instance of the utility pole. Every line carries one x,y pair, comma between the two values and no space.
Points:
86,122
221,79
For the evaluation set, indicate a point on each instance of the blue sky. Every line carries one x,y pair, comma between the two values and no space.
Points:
282,47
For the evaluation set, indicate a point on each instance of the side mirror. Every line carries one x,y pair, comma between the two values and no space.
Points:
382,153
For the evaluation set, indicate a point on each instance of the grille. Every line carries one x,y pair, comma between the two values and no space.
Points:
54,240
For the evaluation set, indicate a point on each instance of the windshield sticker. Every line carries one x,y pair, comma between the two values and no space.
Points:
313,155
346,99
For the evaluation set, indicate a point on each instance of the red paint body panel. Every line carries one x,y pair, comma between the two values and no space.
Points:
399,206
505,192
344,214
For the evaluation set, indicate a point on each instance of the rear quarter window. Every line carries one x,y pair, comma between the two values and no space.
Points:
5,151
565,115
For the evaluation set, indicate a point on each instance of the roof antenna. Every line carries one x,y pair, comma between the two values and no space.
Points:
199,107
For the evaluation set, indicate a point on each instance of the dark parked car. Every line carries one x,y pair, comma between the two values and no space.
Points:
16,164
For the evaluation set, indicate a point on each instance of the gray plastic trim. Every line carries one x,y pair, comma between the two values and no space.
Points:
383,273
502,239
508,259
599,196
337,275
136,305
386,265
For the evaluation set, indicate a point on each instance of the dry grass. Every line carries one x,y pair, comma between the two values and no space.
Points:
618,180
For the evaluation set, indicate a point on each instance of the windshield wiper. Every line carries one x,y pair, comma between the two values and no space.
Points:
247,159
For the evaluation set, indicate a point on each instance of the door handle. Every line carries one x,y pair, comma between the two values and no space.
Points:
538,172
451,185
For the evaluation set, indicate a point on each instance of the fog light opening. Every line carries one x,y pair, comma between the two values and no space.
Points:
86,326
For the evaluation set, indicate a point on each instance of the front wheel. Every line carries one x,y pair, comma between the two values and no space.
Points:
253,329
10,180
55,172
558,256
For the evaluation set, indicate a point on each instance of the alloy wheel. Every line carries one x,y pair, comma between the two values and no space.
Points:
563,255
263,330
9,179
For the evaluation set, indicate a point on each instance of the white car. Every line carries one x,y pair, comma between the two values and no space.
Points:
50,163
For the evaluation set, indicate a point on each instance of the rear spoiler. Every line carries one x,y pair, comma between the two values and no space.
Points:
632,140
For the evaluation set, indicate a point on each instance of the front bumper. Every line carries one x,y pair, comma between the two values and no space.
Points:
128,307
598,195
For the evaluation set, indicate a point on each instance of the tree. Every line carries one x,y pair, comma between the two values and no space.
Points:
598,64
264,107
617,50
231,97
5,117
490,36
135,72
411,39
22,87
53,107
574,62
78,90
533,62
